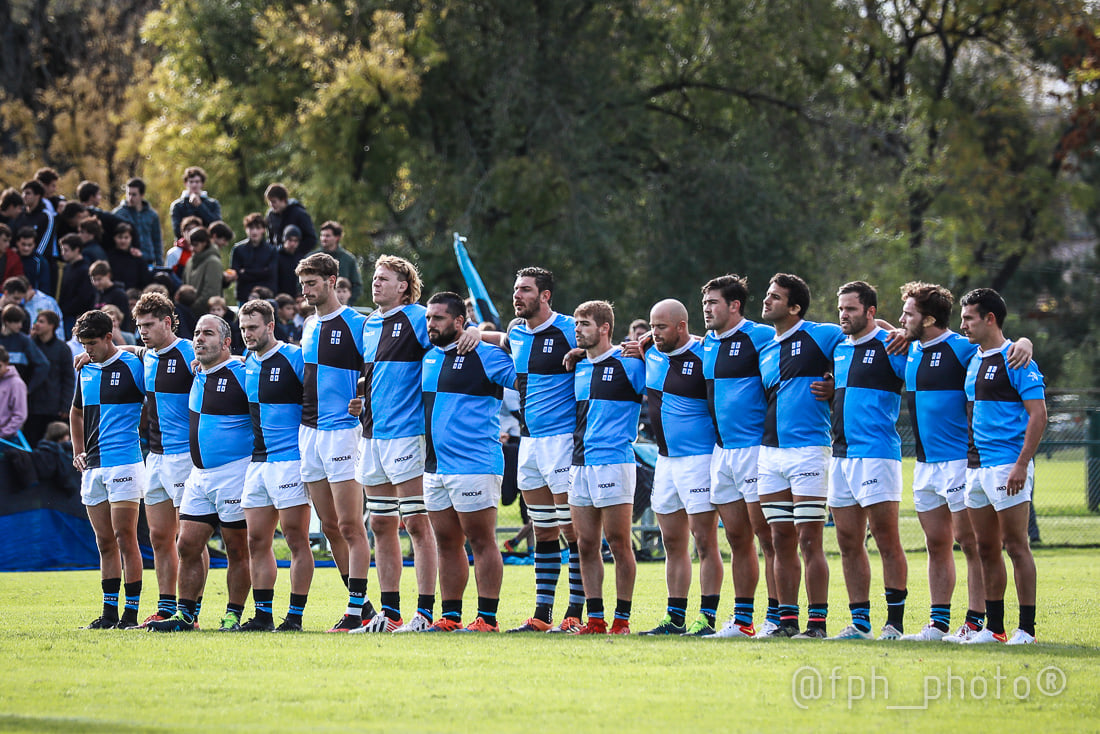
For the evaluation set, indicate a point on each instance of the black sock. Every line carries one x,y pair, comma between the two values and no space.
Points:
297,607
110,589
188,609
708,607
595,607
895,608
622,609
677,610
816,615
487,609
391,604
772,613
995,615
237,609
452,609
1027,618
133,598
166,605
425,606
357,598
940,617
263,598
344,578
975,619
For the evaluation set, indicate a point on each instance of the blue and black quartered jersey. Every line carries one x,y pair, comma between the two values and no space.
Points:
547,404
168,379
332,348
394,345
867,398
462,394
735,392
221,421
273,383
609,401
678,408
111,394
935,381
788,365
998,419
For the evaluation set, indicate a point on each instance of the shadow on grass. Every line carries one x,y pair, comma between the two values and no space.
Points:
16,722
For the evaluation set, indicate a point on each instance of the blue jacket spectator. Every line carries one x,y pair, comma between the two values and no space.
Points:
135,210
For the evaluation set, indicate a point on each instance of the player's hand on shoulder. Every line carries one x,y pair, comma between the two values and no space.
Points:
468,339
824,388
1020,353
80,360
572,357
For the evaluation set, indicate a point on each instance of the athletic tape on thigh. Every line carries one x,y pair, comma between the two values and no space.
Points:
564,516
543,516
413,506
810,512
382,506
778,511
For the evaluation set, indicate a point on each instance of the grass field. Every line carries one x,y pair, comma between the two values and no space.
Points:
58,678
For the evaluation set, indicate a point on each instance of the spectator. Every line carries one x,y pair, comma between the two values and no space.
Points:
343,290
76,293
11,207
121,336
286,279
53,459
204,269
177,257
50,179
127,265
285,328
109,292
219,308
13,398
194,202
262,293
10,262
69,217
285,211
27,359
254,259
331,234
51,401
185,310
638,329
135,210
91,233
18,291
221,235
35,268
38,217
90,195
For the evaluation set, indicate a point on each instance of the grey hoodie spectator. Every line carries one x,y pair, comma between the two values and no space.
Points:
194,201
13,398
145,221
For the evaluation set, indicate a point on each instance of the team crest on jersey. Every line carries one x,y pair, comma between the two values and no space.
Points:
548,346
935,361
223,382
171,369
115,378
608,374
869,356
990,372
687,368
334,337
796,348
457,364
396,330
273,376
735,349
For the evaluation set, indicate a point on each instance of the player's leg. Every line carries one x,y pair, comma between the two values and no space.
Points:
764,537
744,566
617,527
348,498
938,539
588,523
1014,522
777,506
883,520
454,566
479,527
110,562
851,534
414,514
238,576
975,579
572,615
294,522
163,519
987,531
195,532
385,523
704,530
261,522
543,512
320,495
676,537
124,520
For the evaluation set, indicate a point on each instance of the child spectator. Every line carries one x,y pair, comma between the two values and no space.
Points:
91,232
343,291
107,291
10,262
35,268
13,398
127,265
285,328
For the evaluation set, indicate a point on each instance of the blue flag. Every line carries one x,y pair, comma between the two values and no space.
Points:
483,304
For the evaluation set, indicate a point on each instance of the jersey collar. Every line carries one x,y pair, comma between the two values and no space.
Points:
863,339
603,356
544,325
332,315
789,332
1005,345
933,342
392,311
275,348
730,331
218,366
168,348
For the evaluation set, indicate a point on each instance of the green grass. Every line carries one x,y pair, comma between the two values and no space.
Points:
58,678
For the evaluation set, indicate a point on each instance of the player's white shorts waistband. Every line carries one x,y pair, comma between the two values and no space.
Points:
988,485
545,461
734,475
603,486
804,470
328,454
217,491
167,474
463,492
939,483
682,483
275,484
122,483
864,482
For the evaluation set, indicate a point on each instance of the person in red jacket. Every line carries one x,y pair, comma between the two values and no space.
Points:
10,263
